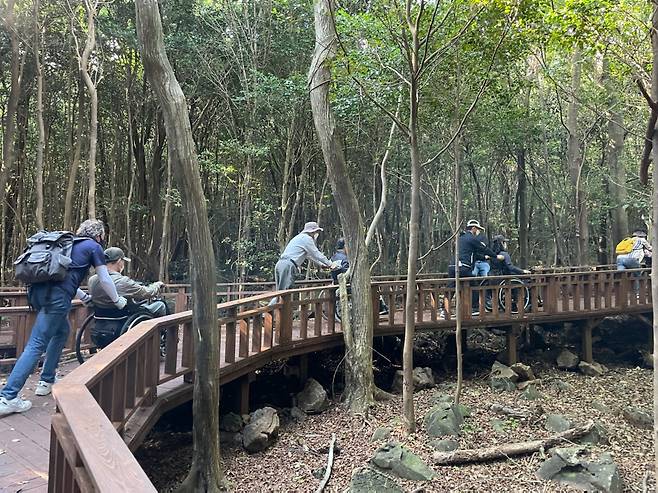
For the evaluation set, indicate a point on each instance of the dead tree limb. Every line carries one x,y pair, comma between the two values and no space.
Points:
510,449
330,463
511,412
648,137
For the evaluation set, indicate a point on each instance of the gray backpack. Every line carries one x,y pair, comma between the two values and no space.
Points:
46,258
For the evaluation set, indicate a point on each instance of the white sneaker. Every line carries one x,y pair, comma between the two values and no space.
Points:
16,405
44,388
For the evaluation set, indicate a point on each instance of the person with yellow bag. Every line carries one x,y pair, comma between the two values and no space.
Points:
632,251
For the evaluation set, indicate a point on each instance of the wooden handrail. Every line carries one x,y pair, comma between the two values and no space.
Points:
108,390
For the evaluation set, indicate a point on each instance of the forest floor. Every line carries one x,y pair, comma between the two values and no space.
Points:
301,448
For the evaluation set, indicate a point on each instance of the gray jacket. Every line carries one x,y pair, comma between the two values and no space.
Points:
126,287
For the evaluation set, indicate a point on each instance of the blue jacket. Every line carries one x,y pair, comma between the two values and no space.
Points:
471,248
339,256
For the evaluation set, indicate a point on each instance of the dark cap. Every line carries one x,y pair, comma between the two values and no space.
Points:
114,254
640,233
500,238
340,244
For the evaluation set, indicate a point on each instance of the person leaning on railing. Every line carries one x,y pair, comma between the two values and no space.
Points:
641,249
301,247
126,287
51,328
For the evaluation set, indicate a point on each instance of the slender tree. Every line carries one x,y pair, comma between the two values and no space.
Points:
41,144
357,332
205,473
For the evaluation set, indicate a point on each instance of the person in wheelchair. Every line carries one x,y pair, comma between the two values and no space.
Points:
341,259
110,319
504,267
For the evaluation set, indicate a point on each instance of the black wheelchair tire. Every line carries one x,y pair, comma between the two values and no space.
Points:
78,338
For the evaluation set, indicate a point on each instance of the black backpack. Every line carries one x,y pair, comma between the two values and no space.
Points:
46,258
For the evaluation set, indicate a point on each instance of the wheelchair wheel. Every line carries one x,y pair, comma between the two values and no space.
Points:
79,336
520,293
135,319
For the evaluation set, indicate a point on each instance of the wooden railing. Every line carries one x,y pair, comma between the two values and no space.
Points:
97,402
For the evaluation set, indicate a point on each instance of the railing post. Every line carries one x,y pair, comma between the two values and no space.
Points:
285,319
180,305
374,298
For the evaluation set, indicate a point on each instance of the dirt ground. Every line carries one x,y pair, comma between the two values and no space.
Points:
301,448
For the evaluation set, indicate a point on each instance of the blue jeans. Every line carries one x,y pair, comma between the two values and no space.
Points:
481,268
49,333
627,262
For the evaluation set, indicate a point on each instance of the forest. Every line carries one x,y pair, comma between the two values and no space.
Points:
207,135
537,103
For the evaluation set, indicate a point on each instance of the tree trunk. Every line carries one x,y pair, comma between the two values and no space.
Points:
359,382
165,243
522,196
41,144
12,101
654,231
411,301
90,43
617,172
75,160
205,473
575,159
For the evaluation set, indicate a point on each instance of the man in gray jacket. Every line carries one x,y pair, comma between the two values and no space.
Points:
126,287
300,248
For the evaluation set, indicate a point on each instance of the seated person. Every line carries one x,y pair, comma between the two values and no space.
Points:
340,257
126,287
503,267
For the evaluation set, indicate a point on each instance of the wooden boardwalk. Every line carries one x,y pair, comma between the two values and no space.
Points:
107,406
25,440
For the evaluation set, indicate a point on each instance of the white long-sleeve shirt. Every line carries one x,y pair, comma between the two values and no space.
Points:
303,247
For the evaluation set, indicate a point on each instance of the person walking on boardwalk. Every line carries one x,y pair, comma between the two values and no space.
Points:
52,300
301,247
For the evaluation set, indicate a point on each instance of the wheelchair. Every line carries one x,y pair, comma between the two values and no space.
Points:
104,326
520,294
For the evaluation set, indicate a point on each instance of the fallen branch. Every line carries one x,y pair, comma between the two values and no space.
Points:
511,449
510,411
330,463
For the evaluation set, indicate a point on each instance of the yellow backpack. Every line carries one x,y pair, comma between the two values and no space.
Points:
625,246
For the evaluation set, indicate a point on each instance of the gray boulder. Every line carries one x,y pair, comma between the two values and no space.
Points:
598,435
444,445
261,431
524,372
567,360
557,423
367,480
444,419
297,414
423,379
404,464
531,393
593,369
380,434
503,378
313,399
229,438
638,418
561,386
568,466
602,407
231,423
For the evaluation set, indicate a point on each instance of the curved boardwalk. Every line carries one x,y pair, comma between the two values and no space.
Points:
106,407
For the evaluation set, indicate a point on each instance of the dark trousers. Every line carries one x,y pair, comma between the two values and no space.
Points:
465,271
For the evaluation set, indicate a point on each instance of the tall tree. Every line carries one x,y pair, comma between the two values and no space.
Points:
358,331
205,474
86,67
41,144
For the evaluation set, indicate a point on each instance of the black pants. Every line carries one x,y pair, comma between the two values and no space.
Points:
465,271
